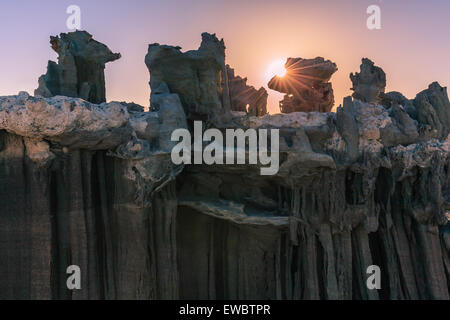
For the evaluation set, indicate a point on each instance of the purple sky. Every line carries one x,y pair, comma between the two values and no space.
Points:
413,45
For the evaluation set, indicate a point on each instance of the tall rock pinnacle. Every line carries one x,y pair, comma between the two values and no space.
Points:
80,68
369,83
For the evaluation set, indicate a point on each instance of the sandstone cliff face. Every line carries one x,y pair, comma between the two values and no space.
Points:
306,85
77,183
94,185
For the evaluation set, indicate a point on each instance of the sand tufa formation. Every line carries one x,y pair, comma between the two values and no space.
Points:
91,183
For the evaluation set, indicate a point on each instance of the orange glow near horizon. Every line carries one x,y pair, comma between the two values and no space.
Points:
275,68
256,34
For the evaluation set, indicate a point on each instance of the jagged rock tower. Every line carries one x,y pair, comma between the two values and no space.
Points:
94,186
306,84
80,71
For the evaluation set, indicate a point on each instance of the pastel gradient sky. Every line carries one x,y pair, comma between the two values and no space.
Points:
413,46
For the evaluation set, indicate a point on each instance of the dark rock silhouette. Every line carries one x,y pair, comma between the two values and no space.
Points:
199,77
246,98
80,68
94,185
369,83
433,111
306,85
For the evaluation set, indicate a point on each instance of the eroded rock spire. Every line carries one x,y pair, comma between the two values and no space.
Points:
80,68
246,98
369,83
197,76
306,85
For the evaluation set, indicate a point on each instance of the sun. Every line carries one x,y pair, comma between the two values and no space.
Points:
275,68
